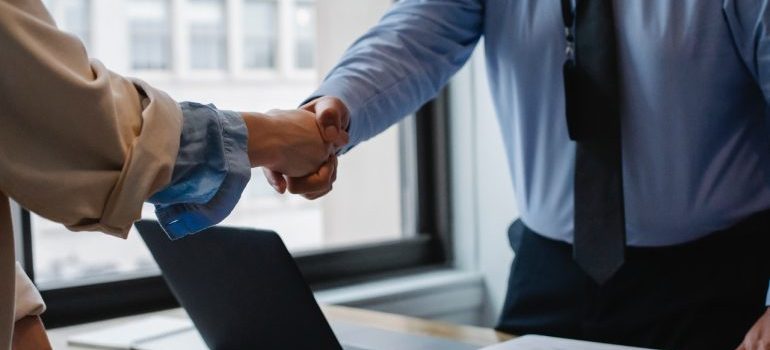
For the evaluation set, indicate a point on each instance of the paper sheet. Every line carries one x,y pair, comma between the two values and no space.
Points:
124,336
539,342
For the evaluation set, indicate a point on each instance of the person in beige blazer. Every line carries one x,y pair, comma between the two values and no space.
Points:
85,147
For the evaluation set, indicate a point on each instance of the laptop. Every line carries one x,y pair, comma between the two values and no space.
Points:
243,290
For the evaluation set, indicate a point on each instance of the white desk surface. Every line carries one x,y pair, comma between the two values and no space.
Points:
410,325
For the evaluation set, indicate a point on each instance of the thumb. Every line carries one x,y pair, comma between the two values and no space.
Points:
331,116
328,120
276,180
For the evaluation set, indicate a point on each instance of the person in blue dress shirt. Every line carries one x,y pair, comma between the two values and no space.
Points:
694,93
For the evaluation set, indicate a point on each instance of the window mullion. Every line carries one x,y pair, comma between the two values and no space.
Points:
286,37
234,23
179,38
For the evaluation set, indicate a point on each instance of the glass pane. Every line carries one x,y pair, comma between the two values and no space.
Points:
304,20
63,258
373,198
259,33
208,35
73,16
150,34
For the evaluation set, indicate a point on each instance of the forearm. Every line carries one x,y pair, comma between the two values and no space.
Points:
210,172
403,62
216,153
29,334
262,142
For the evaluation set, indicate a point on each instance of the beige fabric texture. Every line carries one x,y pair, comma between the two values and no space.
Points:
79,144
28,299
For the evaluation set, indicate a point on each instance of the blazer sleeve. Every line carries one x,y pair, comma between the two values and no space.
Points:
79,144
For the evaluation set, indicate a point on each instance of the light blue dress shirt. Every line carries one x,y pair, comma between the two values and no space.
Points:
211,171
695,90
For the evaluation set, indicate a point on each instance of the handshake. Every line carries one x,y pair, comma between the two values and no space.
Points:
297,148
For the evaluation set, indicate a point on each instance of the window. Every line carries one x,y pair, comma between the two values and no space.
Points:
385,213
150,34
259,34
304,19
73,16
208,35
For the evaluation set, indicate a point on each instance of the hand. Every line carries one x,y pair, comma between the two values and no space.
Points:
758,337
288,142
333,119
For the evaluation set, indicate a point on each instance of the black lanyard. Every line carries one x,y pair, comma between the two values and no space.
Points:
568,15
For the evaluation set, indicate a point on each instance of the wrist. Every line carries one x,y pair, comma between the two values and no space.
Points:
261,144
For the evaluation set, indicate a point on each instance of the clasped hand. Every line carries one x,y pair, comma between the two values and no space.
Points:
297,148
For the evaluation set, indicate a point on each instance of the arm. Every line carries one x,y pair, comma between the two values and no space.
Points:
388,73
85,147
403,62
29,332
749,23
217,149
80,145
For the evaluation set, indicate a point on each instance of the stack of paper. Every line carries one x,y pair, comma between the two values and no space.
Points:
130,335
539,342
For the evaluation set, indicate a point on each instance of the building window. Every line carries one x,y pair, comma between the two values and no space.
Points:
73,16
259,34
149,34
208,34
304,24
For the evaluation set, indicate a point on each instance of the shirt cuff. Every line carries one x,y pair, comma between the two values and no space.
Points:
210,173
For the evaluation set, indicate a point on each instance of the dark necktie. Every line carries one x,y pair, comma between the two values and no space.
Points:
593,118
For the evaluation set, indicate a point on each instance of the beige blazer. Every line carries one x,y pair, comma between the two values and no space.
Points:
79,144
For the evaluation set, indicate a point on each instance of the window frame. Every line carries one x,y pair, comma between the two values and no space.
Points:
322,269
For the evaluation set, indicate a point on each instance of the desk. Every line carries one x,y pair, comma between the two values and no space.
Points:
397,323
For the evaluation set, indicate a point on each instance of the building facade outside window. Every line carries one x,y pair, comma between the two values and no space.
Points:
260,27
149,34
208,34
305,22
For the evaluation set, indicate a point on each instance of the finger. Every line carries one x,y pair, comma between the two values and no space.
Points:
276,180
342,139
316,195
317,182
329,120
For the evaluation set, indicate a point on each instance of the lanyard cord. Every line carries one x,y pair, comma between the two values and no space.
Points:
568,15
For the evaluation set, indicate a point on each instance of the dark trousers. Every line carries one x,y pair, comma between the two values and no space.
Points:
700,295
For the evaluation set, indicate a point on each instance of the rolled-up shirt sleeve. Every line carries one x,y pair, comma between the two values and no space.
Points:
210,173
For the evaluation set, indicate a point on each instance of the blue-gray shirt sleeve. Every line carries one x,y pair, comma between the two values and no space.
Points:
403,62
749,23
210,173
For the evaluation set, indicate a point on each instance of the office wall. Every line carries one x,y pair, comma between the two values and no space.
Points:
482,189
377,189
